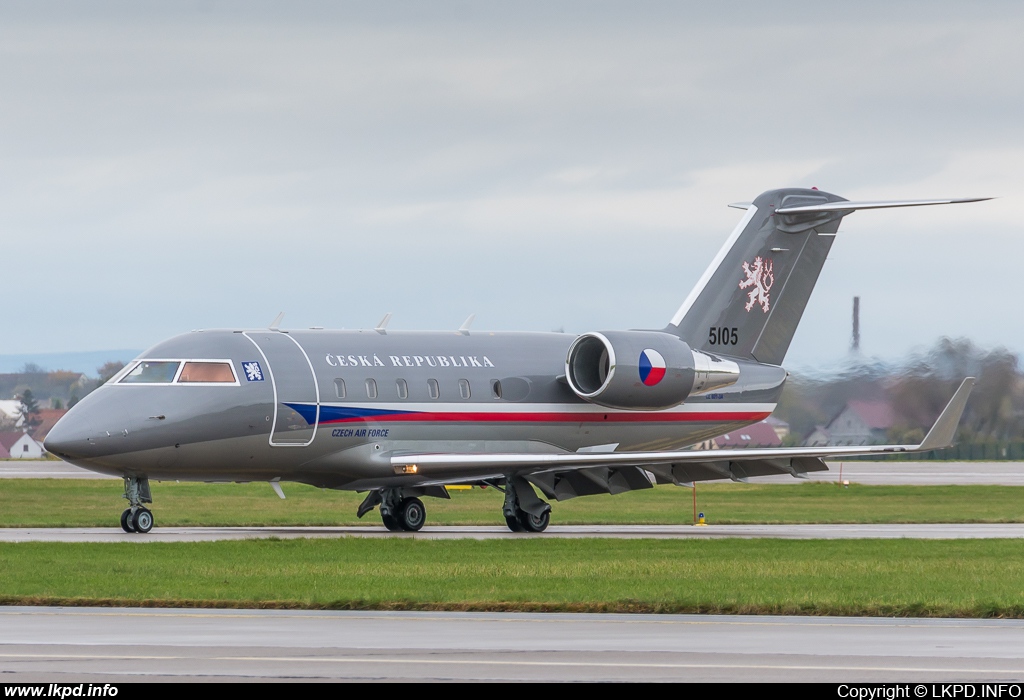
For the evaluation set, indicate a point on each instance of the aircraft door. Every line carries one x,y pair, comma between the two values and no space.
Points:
296,393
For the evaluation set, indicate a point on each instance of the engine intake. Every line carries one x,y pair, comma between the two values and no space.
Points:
642,370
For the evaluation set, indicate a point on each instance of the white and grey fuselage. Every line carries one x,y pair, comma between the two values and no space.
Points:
329,408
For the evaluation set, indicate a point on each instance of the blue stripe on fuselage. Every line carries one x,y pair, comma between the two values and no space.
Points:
329,414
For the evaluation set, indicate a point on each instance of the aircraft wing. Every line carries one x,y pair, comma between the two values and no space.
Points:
564,475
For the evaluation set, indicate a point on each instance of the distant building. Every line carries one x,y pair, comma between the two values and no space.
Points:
19,445
819,437
859,423
757,435
48,418
780,426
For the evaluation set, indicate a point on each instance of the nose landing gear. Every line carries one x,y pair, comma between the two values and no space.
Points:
137,518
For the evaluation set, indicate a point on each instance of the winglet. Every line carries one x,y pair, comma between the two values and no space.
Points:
942,433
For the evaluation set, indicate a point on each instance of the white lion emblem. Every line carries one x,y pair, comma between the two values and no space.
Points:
761,278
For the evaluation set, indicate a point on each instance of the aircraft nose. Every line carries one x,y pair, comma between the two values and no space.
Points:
71,438
87,432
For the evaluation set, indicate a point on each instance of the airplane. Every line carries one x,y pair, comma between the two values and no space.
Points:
400,415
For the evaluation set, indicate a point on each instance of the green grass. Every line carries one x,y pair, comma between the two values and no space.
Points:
94,502
962,578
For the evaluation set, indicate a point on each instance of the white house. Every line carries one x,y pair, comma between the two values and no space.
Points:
20,445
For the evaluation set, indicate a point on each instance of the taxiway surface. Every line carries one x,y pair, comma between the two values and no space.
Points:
951,531
106,645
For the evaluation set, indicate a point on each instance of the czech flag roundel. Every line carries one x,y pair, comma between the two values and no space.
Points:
652,367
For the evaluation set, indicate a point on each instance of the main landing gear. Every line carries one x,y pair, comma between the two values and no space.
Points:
523,511
399,511
137,518
402,511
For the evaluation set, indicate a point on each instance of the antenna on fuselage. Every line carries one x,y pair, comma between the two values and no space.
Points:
276,324
383,324
464,328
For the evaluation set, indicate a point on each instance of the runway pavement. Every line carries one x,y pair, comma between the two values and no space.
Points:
45,469
922,473
64,645
438,532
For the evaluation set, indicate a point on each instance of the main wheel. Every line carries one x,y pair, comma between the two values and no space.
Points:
126,520
390,522
533,523
142,521
513,523
412,514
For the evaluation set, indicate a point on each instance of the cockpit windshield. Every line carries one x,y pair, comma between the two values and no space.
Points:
197,372
151,372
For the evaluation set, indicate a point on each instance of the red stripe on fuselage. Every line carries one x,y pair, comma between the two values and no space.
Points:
691,417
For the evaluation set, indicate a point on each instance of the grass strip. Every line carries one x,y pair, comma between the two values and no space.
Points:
98,503
959,578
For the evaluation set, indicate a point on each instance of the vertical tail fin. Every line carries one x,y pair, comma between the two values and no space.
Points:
749,301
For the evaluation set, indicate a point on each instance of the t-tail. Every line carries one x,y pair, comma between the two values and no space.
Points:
749,301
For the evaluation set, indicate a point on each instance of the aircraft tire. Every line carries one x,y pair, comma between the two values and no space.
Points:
513,524
531,523
412,514
126,520
390,522
142,521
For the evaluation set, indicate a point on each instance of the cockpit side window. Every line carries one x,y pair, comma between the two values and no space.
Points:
152,372
195,372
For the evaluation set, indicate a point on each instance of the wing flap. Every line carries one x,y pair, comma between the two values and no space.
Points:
675,466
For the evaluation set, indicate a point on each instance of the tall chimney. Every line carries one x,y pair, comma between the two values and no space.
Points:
855,346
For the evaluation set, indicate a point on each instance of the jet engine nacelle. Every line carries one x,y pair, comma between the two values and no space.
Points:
642,370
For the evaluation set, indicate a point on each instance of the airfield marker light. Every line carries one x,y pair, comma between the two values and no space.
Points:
700,520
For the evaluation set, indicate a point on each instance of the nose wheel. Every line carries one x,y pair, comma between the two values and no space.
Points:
137,518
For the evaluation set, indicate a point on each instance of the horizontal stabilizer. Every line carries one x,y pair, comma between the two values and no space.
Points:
853,206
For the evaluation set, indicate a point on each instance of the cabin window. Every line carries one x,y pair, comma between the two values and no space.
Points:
464,388
435,390
339,388
371,389
146,372
206,372
403,388
496,388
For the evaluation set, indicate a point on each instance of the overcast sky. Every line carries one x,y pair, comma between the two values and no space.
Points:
543,165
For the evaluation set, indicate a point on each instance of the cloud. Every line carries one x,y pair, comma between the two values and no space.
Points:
172,165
